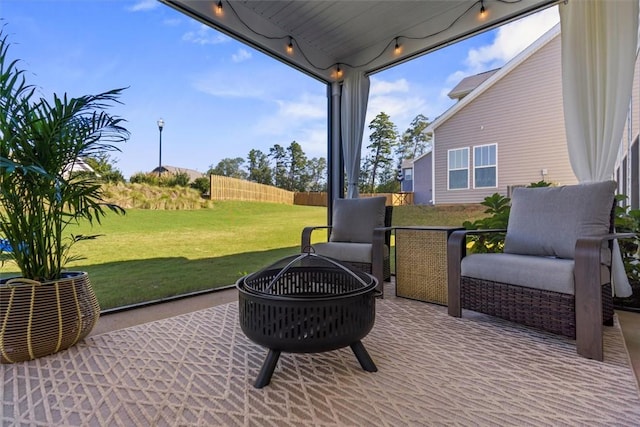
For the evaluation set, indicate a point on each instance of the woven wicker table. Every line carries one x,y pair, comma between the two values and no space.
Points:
421,263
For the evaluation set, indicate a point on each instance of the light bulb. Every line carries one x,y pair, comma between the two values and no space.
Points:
397,49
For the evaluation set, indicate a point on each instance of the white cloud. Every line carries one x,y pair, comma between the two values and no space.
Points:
454,78
307,107
398,99
204,36
303,119
294,114
265,80
229,85
241,55
381,87
510,40
314,141
283,104
400,109
172,22
143,5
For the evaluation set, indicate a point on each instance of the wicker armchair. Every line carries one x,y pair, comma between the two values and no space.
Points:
555,271
360,236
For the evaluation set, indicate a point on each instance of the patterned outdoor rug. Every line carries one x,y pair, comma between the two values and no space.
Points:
199,369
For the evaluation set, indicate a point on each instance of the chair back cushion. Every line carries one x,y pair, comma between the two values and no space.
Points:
355,219
548,221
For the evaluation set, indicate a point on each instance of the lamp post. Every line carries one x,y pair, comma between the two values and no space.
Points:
160,126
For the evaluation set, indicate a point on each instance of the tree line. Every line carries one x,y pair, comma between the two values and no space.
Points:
290,169
283,167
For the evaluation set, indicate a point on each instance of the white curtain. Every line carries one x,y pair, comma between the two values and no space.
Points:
599,41
355,96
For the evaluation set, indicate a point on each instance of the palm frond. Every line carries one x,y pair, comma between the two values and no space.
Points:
39,140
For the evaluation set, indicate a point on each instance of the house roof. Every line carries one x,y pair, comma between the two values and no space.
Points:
193,174
79,165
362,35
407,163
469,83
495,77
423,155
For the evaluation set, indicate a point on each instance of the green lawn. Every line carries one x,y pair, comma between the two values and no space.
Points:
152,254
450,215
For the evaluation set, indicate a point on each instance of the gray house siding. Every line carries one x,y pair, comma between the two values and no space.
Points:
423,180
522,113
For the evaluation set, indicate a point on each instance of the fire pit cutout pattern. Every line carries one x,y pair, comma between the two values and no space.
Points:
307,303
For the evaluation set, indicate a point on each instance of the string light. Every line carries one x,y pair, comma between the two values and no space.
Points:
290,46
397,49
397,46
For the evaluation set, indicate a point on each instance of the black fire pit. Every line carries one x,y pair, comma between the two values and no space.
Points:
307,304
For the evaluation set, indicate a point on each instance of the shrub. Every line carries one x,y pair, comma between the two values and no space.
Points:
143,178
113,176
499,207
203,185
178,179
627,220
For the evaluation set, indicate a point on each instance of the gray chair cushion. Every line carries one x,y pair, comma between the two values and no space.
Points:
546,273
551,274
548,221
349,252
355,219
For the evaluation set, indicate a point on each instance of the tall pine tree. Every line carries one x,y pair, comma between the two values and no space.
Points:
279,157
259,168
298,179
414,141
383,139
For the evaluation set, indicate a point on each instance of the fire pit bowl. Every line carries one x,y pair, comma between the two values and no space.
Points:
307,304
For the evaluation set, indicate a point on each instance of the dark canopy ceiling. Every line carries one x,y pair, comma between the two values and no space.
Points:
356,34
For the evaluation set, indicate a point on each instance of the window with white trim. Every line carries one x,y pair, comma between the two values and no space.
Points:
485,166
458,169
408,174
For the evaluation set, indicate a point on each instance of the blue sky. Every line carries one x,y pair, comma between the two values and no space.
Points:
218,97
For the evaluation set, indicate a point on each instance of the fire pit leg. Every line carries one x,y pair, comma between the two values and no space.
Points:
269,365
363,357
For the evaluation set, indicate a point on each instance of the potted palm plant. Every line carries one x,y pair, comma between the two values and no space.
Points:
47,309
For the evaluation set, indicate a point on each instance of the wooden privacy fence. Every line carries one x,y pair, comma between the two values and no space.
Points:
226,188
320,199
401,199
310,199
